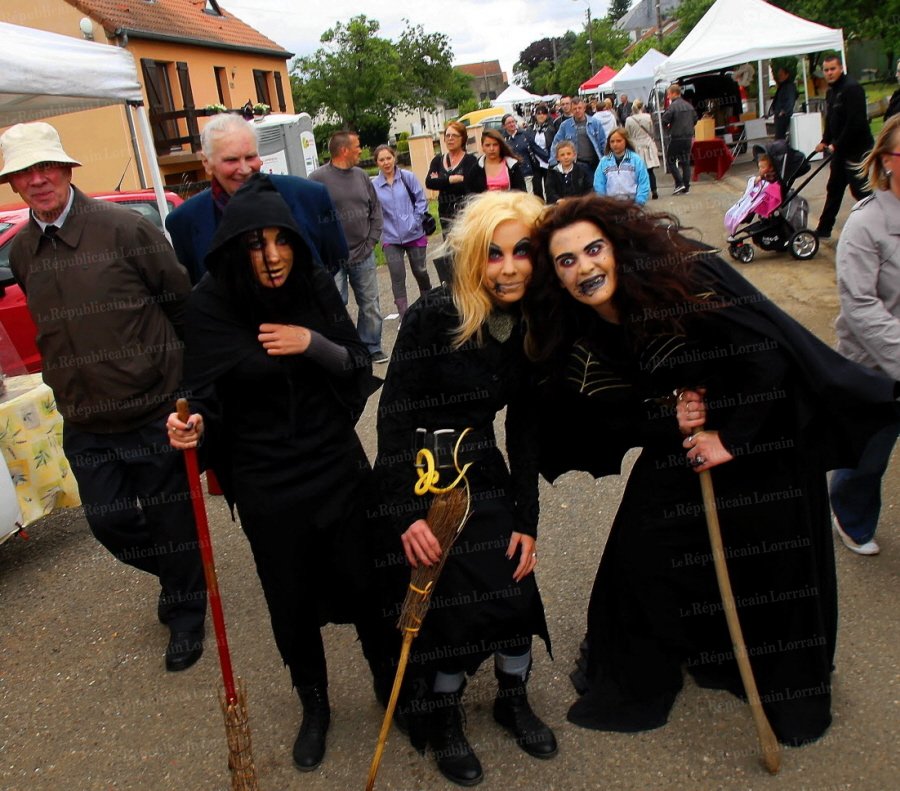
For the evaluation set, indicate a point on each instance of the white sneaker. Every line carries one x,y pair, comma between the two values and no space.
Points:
678,190
869,548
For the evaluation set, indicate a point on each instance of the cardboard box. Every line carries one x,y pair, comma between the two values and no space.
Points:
705,129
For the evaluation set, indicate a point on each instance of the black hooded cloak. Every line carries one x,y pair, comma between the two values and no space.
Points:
788,408
280,429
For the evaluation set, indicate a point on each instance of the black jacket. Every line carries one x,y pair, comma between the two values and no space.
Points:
524,147
836,404
578,181
434,386
450,196
846,120
679,119
785,99
280,428
549,130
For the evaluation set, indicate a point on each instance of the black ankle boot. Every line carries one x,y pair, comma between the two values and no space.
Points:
309,748
513,712
455,758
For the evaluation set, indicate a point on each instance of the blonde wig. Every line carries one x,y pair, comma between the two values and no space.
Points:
468,242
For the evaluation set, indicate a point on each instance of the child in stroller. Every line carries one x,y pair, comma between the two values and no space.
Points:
762,197
771,198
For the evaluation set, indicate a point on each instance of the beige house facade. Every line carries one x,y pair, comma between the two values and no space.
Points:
189,54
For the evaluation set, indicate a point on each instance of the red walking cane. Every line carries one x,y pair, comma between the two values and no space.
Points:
233,702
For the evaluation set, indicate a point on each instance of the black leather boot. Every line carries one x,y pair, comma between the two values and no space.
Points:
513,712
455,758
309,748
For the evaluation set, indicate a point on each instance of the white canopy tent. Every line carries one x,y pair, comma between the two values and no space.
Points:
515,94
610,85
45,74
742,31
641,77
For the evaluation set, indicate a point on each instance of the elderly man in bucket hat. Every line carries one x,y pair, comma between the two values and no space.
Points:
107,295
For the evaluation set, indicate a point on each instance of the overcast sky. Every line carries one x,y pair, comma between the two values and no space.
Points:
478,29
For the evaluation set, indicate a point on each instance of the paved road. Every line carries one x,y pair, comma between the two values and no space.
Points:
86,706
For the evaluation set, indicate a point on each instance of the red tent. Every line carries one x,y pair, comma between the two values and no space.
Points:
604,75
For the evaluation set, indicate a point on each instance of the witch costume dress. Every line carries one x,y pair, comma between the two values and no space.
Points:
280,429
787,408
477,608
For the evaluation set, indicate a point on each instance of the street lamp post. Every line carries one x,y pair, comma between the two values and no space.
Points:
590,34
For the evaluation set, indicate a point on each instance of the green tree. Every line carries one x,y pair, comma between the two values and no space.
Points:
876,19
608,47
364,79
543,79
460,91
537,63
617,9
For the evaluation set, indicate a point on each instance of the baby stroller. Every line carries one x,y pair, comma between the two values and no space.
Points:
785,228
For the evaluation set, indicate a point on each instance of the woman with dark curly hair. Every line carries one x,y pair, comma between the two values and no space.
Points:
623,310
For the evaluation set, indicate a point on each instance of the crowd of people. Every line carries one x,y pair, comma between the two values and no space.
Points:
575,309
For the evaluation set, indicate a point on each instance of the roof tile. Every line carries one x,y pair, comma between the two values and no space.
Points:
180,18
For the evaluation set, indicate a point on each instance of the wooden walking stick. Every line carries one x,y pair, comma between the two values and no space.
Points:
446,517
768,744
234,700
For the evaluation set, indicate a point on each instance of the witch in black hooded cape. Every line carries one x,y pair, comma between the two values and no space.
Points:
280,430
785,406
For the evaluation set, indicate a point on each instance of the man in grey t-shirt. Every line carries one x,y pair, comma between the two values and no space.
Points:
359,211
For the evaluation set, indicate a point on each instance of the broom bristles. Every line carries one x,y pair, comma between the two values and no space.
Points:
446,518
240,748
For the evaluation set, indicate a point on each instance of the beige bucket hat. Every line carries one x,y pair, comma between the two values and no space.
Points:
24,145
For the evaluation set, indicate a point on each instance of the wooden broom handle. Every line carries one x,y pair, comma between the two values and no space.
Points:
768,744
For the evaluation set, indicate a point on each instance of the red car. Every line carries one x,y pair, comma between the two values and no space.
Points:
15,320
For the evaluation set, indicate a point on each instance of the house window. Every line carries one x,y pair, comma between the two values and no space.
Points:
222,87
279,92
159,96
212,8
187,104
261,81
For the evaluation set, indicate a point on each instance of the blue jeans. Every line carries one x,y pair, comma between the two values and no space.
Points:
364,282
856,494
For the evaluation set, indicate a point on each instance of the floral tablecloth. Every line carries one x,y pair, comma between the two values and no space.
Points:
31,442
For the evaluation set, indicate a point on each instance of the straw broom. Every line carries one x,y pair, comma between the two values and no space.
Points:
446,517
234,699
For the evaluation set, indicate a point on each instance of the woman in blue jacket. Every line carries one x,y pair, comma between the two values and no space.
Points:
621,172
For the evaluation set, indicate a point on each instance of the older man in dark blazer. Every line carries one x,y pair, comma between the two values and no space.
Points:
230,155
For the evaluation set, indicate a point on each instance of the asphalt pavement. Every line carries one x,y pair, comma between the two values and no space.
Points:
85,704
